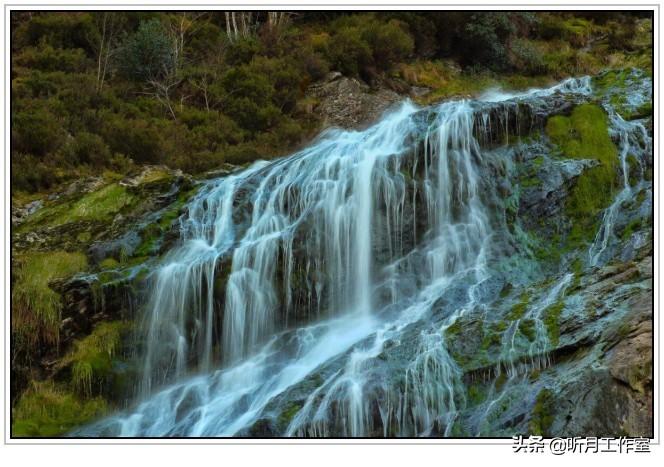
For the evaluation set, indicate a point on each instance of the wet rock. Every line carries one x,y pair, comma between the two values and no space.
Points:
546,198
118,248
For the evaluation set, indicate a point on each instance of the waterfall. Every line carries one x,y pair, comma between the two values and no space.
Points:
307,269
633,140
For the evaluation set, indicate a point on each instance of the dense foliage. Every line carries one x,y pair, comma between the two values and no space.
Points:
106,91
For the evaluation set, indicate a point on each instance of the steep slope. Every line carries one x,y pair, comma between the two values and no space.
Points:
475,268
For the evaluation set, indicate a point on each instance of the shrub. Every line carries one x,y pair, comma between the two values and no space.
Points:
390,43
348,51
423,31
526,57
485,36
241,51
58,29
136,138
36,131
47,58
248,98
283,75
31,174
314,63
87,148
241,154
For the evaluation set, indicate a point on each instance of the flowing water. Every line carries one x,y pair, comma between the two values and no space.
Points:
304,271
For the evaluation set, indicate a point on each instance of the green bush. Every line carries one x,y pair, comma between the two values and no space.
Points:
248,98
314,63
526,57
136,138
390,43
36,131
31,174
87,148
283,75
485,37
46,58
348,51
58,29
242,51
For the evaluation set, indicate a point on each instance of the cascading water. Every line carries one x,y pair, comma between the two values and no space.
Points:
306,270
633,142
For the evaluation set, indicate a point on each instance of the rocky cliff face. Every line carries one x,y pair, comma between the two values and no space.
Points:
557,336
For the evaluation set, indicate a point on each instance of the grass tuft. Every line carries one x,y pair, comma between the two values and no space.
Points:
92,356
47,410
35,306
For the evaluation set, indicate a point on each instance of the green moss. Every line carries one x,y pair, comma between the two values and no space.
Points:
288,413
551,319
153,233
530,182
109,263
493,336
577,269
84,237
47,410
100,205
454,328
447,81
585,135
506,290
614,83
519,309
610,81
542,416
535,374
35,306
645,110
634,169
457,430
91,359
476,394
500,381
527,328
155,175
634,226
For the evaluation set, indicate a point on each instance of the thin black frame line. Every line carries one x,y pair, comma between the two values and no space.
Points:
219,439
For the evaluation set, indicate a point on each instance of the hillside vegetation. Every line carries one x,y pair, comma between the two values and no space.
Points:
94,91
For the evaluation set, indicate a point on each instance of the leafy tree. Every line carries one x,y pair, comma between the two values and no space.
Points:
148,53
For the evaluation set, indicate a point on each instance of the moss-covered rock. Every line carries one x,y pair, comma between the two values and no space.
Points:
585,135
542,415
551,319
